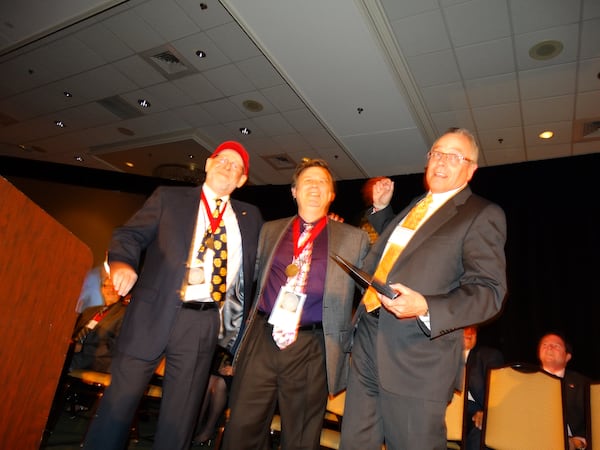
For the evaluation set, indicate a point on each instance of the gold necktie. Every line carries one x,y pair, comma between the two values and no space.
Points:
391,254
219,275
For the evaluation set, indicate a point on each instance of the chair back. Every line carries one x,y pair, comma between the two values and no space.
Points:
524,408
594,414
454,417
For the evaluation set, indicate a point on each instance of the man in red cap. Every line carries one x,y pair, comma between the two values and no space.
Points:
200,250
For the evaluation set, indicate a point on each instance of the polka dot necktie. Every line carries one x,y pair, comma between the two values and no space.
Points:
218,285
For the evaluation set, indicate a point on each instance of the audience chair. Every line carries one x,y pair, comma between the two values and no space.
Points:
593,415
455,420
524,409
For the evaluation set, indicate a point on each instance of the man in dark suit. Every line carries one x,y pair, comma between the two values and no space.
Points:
554,353
305,296
175,305
479,360
450,273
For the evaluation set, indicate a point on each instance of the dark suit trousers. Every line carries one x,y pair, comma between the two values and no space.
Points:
189,355
372,415
295,378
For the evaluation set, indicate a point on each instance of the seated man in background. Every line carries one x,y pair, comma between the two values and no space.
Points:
554,352
479,359
96,331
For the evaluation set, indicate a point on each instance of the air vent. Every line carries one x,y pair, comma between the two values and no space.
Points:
168,62
120,107
587,130
280,162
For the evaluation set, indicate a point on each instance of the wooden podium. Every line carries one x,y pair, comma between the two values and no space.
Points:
42,267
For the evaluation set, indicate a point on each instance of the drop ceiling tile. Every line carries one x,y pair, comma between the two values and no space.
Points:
423,33
139,71
260,72
103,42
229,80
292,142
214,15
535,153
591,9
198,88
486,59
492,90
551,109
588,105
426,71
460,118
501,138
233,42
283,97
563,133
319,138
590,39
584,148
588,75
224,110
446,97
95,84
161,96
397,10
505,156
477,21
274,124
533,15
498,116
568,35
548,81
131,28
255,96
195,116
189,45
167,18
302,120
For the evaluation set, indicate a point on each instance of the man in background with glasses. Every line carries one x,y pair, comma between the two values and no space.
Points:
445,258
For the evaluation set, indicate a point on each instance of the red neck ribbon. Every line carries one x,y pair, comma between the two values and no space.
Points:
214,221
313,234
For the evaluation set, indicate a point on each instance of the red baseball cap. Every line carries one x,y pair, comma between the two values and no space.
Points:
236,147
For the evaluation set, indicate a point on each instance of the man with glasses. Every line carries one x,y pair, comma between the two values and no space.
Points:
199,248
445,259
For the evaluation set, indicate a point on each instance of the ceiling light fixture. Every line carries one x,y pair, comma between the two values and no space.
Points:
252,105
545,50
546,134
144,103
203,6
245,131
129,164
59,123
67,94
78,158
200,54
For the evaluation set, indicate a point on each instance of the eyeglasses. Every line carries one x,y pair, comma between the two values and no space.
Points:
453,159
223,161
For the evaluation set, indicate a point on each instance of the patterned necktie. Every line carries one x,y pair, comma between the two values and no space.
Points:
218,282
391,254
297,283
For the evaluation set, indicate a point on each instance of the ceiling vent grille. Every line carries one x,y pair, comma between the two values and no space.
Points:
281,161
120,107
168,62
587,130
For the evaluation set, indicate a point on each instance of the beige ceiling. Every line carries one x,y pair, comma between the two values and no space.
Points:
365,84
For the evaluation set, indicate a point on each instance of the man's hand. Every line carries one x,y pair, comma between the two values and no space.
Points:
123,277
408,304
478,419
382,193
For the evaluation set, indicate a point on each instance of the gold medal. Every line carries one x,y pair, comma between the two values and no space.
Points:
210,243
196,275
291,270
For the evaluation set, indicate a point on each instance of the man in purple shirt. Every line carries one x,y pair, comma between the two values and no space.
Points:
295,349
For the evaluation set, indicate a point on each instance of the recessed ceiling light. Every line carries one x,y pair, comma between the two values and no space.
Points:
67,94
252,105
546,134
200,54
203,6
191,156
129,164
245,131
59,123
545,50
144,103
78,158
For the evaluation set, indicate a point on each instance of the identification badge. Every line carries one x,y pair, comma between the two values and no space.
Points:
287,309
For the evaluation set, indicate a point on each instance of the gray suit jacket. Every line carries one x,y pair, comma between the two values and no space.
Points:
456,260
350,243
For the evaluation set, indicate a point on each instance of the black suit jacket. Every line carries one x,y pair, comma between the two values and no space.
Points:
575,385
163,230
